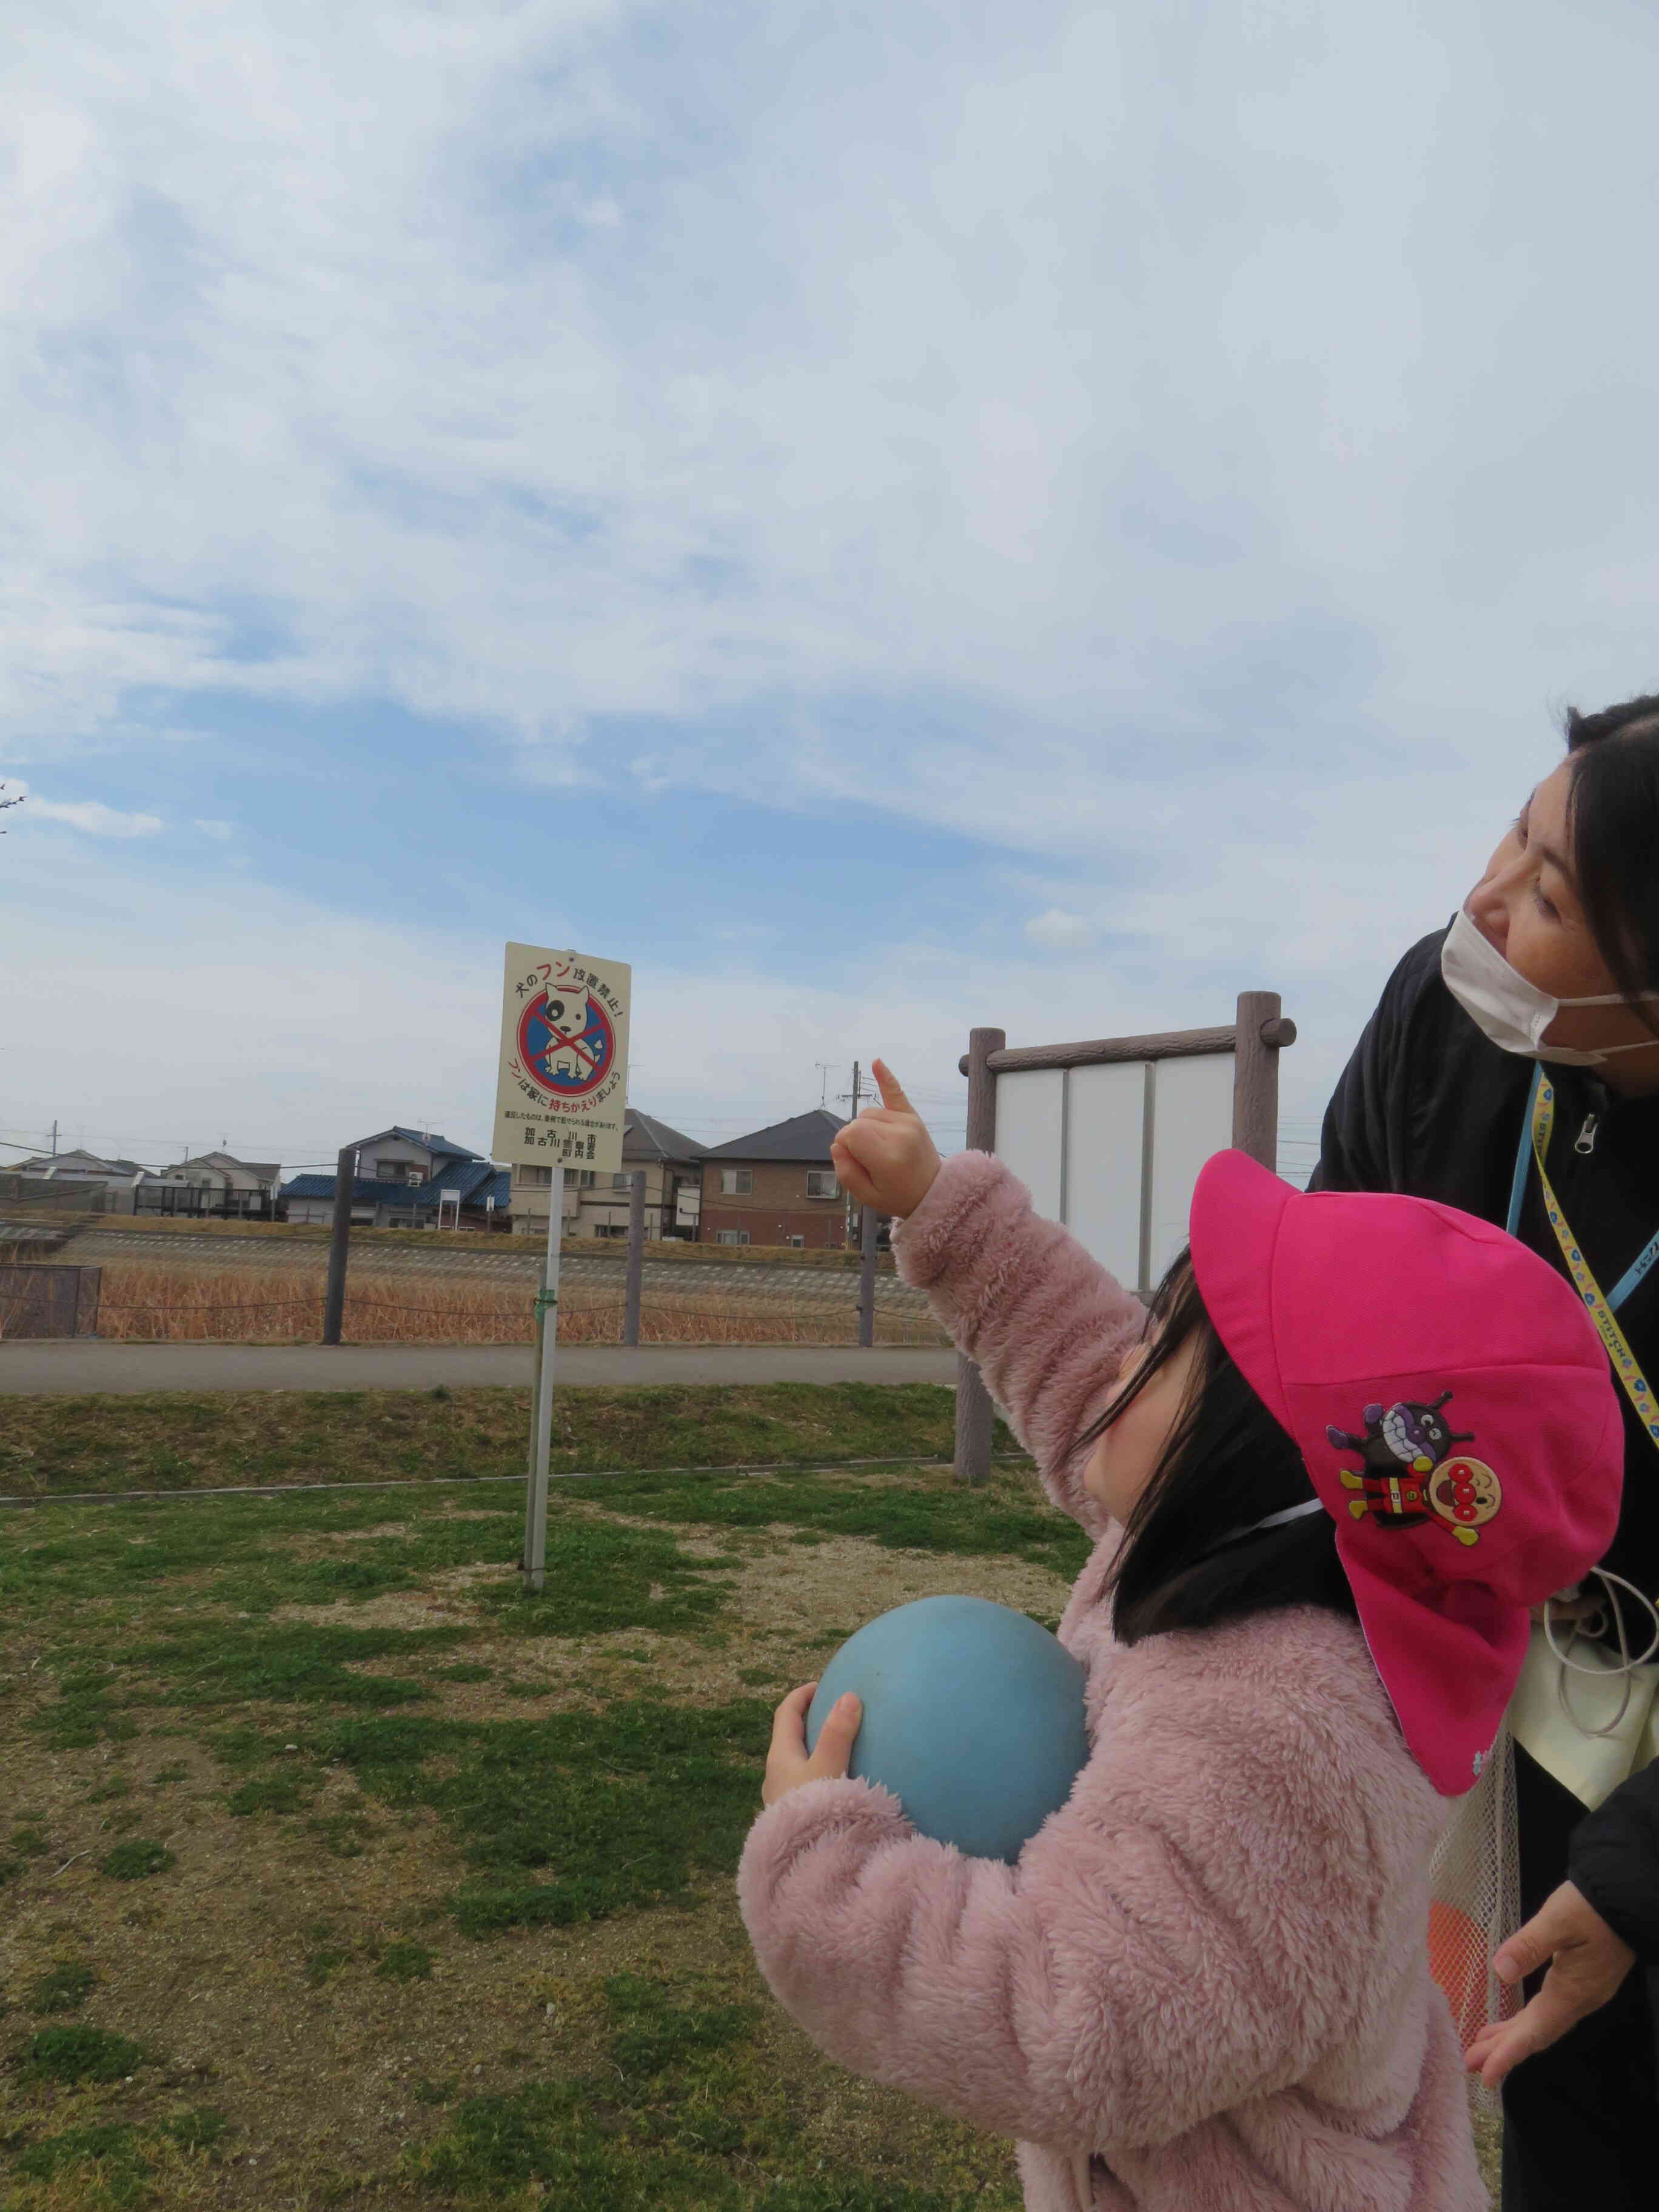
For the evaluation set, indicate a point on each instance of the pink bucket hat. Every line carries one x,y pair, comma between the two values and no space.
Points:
1452,1402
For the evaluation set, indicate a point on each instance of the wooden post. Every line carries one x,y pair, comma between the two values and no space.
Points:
975,1415
868,1276
635,1257
1263,1034
345,1175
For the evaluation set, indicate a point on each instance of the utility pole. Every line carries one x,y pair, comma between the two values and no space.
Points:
851,1211
54,1139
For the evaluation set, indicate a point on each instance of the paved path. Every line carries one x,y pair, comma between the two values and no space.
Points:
86,1367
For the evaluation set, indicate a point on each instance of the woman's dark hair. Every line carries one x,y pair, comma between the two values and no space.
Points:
1226,1463
1614,821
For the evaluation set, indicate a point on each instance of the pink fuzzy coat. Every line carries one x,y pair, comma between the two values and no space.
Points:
1205,1985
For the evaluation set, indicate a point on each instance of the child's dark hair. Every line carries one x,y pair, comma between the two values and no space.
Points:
1226,1463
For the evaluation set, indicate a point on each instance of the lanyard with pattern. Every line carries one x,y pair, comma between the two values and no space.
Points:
1535,1143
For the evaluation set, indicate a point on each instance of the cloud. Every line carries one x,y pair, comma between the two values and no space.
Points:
1055,388
1058,930
309,1049
1158,460
219,830
92,817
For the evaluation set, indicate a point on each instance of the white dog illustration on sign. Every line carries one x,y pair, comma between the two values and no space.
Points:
565,1012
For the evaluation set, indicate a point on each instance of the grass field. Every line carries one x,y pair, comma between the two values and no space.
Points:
154,1302
181,1441
337,1872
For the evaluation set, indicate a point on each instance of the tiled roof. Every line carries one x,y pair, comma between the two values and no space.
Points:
429,1137
475,1179
644,1134
806,1137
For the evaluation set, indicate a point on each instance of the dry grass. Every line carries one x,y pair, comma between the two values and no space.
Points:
154,1304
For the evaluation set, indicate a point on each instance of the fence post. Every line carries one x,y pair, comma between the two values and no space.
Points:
868,1276
1263,1033
635,1257
345,1175
975,1415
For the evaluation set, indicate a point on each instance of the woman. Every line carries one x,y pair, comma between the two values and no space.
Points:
1531,1028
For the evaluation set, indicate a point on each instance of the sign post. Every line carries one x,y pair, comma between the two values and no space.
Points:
561,1098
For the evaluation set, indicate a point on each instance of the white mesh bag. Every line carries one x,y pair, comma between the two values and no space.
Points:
1474,1893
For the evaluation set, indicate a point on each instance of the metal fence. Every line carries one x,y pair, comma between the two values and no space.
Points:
165,1283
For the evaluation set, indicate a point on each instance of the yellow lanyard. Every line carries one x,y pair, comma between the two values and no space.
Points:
1624,1360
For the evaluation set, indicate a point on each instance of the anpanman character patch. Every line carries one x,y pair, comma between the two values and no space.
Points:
1410,1473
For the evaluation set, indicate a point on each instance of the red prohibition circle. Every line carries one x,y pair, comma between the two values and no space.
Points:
530,1060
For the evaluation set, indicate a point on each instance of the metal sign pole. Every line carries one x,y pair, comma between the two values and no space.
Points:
541,1428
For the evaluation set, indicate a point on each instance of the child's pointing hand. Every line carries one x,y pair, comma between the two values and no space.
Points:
787,1765
886,1157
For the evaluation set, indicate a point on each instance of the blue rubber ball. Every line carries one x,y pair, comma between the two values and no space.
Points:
973,1717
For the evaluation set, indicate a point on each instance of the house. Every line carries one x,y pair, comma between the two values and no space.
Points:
79,1178
776,1185
596,1205
213,1183
404,1176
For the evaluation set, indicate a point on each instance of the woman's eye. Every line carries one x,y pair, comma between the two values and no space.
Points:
1543,904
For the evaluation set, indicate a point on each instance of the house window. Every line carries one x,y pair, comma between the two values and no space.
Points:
821,1183
798,1241
583,1178
536,1177
731,1235
622,1181
737,1183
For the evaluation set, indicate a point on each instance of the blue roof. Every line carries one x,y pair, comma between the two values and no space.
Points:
434,1142
474,1178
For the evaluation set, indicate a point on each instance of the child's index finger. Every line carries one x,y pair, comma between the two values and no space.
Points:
892,1096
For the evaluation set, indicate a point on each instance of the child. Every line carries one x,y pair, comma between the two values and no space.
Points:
1356,1438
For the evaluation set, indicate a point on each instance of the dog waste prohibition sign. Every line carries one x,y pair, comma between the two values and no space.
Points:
561,1100
562,1090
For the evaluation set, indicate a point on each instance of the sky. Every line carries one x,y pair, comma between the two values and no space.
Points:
886,518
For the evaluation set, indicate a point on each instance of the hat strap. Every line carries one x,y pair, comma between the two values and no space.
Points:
1272,1521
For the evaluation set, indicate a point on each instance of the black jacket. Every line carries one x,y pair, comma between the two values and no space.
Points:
1428,1105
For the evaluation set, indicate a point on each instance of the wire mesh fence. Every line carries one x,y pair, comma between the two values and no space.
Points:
191,1302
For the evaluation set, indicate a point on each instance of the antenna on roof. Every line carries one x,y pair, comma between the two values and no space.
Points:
824,1067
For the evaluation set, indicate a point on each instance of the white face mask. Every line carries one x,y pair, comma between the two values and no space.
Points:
1513,1012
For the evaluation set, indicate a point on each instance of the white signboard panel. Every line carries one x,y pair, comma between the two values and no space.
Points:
1076,1137
1102,1163
562,1090
1030,1114
1193,1118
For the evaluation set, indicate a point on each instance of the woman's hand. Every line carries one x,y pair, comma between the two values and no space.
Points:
886,1157
787,1765
1588,1964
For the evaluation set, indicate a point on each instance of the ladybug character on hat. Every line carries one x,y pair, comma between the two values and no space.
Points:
1408,1476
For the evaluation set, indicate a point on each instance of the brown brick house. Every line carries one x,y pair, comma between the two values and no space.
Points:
775,1186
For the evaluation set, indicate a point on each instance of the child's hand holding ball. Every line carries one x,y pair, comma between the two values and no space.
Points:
886,1157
